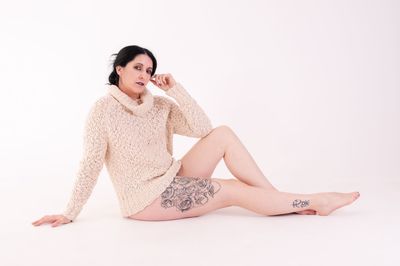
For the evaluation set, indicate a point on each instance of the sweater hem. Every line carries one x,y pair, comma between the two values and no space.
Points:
141,200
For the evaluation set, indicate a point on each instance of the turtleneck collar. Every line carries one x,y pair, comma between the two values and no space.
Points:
137,109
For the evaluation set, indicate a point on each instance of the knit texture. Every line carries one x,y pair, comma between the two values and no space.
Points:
134,139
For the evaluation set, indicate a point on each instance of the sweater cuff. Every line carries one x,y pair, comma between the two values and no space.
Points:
69,217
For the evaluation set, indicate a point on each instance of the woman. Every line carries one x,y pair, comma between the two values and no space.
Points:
130,130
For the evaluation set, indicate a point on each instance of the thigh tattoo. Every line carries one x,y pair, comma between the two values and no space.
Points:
186,193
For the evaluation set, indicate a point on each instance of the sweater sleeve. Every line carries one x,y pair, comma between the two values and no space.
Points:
187,119
91,163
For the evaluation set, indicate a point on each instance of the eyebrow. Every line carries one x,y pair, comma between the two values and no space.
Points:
142,65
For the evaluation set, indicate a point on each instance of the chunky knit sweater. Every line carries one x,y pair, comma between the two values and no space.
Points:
134,140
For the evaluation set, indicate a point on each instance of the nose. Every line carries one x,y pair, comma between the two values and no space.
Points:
141,76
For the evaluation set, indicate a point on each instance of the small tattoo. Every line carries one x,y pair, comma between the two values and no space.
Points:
300,203
186,193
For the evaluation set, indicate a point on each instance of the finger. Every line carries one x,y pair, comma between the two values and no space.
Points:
156,82
48,220
165,80
56,223
162,77
159,80
38,221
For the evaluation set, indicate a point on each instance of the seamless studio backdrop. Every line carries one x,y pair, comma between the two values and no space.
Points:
312,88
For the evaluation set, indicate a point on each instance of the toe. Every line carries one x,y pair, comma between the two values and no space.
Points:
356,195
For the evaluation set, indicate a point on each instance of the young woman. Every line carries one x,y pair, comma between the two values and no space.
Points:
130,130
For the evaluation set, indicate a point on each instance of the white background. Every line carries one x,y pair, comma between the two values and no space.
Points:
312,88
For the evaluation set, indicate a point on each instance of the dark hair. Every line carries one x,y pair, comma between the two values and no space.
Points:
124,56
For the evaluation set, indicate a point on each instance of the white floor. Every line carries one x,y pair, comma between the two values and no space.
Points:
364,233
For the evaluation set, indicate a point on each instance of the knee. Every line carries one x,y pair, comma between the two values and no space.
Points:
222,131
223,128
228,189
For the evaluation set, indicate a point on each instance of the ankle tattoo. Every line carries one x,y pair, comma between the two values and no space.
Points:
300,203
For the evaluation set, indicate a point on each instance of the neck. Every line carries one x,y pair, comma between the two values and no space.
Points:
139,107
132,95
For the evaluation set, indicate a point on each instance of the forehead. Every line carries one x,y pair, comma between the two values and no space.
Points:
143,59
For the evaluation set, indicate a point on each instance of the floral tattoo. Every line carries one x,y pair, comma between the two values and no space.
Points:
186,193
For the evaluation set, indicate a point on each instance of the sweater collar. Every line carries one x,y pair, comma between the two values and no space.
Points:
136,108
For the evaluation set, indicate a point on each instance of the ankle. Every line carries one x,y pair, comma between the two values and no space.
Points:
317,201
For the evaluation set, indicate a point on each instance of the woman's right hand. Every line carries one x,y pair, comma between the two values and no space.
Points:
55,220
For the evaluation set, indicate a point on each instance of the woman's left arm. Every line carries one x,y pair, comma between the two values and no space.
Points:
187,118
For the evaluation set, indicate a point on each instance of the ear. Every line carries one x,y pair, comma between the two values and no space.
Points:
118,69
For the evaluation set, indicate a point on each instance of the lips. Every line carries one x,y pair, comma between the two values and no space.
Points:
140,83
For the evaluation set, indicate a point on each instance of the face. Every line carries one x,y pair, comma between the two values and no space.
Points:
137,70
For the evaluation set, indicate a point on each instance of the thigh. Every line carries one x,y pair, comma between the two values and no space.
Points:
204,156
188,197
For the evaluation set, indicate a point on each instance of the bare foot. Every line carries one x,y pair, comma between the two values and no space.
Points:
330,201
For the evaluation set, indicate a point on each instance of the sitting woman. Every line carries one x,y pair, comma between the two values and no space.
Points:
131,132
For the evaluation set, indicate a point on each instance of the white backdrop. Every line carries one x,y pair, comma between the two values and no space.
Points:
312,88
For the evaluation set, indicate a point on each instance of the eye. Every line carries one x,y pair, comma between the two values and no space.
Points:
139,68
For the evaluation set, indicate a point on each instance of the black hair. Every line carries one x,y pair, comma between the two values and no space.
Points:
124,56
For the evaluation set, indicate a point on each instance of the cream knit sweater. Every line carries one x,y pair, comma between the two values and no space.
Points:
134,140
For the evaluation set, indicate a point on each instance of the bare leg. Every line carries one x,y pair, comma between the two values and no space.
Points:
222,142
270,202
241,164
193,196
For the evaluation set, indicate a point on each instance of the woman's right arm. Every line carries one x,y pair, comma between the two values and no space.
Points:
94,150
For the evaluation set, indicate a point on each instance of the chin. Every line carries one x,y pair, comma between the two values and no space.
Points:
136,89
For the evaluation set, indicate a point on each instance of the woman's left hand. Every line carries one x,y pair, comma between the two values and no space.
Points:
163,81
